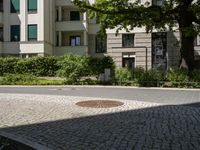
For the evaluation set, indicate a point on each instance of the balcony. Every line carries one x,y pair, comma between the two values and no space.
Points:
79,50
71,26
69,18
63,3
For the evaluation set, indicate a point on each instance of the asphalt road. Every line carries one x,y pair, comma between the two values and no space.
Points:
165,96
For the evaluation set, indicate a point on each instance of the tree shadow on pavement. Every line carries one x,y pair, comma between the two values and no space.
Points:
156,128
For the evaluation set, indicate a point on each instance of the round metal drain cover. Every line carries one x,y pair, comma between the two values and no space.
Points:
99,103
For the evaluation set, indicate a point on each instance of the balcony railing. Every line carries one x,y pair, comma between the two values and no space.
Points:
80,50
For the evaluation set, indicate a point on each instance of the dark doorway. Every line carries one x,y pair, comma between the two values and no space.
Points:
159,50
128,63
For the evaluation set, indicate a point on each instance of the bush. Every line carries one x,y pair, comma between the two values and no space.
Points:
123,75
177,78
195,76
38,66
7,65
73,67
97,65
15,79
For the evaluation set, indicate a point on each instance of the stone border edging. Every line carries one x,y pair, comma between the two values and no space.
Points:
24,141
101,86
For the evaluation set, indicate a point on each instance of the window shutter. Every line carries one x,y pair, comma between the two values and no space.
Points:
32,32
15,6
32,5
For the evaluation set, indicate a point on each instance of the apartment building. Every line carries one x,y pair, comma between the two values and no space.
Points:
56,27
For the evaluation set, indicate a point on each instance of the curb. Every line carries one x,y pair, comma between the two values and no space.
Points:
24,141
101,86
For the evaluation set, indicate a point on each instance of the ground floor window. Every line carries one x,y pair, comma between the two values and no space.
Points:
101,44
15,33
75,40
128,61
197,40
1,33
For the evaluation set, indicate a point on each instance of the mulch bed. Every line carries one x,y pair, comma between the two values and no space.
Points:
100,103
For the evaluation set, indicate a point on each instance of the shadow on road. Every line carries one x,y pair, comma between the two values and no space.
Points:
156,128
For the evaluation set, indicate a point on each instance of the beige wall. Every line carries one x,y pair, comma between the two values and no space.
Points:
43,19
142,43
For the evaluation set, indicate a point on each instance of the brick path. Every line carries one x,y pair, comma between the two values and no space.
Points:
57,123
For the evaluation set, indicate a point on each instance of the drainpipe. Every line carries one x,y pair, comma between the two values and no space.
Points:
146,59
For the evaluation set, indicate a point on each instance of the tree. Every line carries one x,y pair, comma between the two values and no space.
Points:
182,15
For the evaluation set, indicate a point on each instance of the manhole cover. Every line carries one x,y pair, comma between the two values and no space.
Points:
99,103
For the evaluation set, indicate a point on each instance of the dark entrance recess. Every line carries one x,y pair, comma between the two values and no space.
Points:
129,63
159,50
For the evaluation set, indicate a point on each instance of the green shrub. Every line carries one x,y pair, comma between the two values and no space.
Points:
123,74
39,66
97,65
177,78
15,79
73,67
7,65
148,78
195,76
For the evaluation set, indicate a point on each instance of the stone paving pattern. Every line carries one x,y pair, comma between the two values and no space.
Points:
56,122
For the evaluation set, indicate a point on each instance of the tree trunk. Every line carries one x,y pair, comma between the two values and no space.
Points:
187,35
187,52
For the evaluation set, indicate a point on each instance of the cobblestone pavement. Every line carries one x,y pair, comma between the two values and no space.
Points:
56,122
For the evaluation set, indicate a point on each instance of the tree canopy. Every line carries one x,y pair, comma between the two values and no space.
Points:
183,15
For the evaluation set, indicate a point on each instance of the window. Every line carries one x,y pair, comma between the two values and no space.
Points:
1,5
15,33
197,41
101,44
158,2
128,40
1,33
74,15
75,40
32,5
32,32
14,6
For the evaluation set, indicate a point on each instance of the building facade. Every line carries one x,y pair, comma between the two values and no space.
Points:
56,27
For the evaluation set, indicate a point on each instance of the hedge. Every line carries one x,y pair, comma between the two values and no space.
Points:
155,78
69,66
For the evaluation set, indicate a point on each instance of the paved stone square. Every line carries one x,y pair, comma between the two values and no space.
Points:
55,122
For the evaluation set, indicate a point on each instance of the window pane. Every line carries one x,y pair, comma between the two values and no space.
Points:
75,40
101,44
32,32
1,5
15,33
78,41
74,15
32,5
14,6
1,33
128,40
